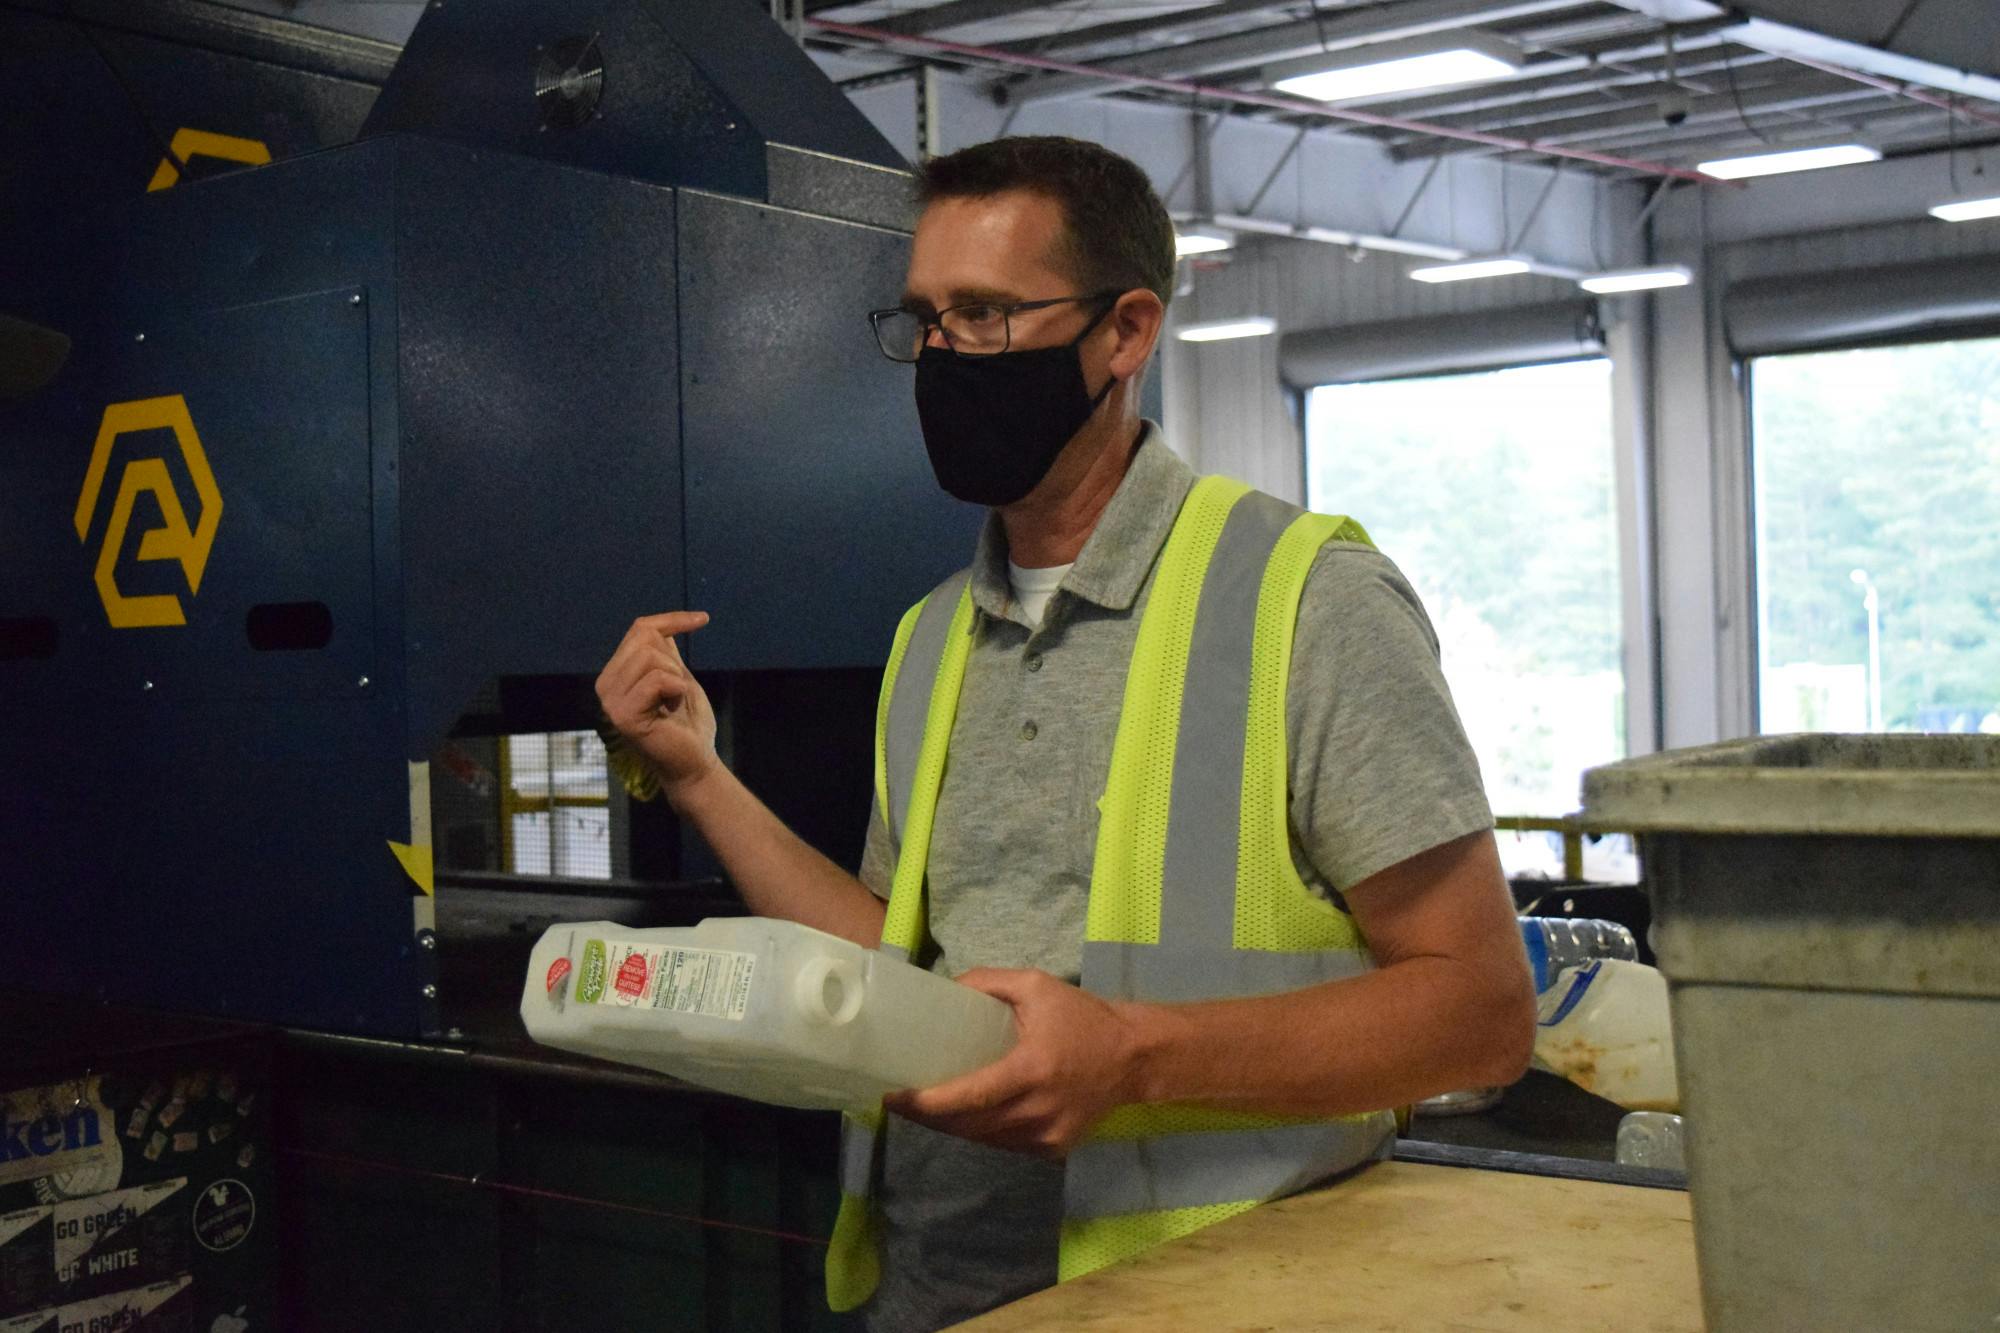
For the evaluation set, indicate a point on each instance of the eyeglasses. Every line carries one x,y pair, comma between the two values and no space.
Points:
978,328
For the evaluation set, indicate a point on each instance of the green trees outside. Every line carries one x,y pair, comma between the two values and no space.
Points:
1495,495
1875,467
1884,461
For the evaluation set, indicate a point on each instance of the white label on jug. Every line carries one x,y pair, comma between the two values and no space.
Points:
711,982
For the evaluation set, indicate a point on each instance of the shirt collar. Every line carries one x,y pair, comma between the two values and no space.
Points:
1121,549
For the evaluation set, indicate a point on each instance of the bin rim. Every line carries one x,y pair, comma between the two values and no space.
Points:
1722,788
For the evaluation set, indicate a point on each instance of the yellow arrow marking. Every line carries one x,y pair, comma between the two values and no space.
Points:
416,862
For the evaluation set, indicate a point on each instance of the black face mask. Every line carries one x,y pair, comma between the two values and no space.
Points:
993,425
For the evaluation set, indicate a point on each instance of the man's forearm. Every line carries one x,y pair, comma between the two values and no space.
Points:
776,871
1387,1038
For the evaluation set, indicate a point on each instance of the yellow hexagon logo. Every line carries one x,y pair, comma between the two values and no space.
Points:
188,144
174,539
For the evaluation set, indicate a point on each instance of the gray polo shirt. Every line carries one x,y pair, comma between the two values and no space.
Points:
1380,771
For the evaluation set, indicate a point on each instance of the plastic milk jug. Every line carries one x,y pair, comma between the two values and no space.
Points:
1604,1027
760,1008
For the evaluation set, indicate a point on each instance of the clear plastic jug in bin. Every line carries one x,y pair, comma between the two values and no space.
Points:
1604,1026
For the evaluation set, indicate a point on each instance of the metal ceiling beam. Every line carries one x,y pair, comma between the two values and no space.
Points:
1290,106
1715,149
1520,115
1650,132
1797,43
1609,65
1334,32
1567,36
1336,185
956,14
1189,25
1538,119
1860,121
1956,106
1469,105
1607,60
1165,27
1789,99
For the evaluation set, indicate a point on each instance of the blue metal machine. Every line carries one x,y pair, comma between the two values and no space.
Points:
571,333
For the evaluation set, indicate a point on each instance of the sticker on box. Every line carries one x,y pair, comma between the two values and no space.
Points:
98,1236
61,1135
120,1309
224,1215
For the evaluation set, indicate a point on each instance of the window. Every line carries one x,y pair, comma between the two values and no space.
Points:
1877,475
1495,495
555,815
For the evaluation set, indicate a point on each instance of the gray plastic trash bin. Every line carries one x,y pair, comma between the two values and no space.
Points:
1827,913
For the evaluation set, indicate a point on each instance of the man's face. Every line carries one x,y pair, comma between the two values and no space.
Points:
1000,248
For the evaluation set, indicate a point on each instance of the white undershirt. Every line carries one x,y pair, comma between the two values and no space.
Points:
1033,588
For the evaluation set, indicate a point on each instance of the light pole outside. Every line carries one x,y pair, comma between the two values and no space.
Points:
1872,600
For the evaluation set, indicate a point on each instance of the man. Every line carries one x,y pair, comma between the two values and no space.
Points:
1066,836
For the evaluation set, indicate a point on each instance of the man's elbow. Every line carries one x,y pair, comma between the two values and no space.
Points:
1509,1027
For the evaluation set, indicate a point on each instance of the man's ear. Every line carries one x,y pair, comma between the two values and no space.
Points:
1137,319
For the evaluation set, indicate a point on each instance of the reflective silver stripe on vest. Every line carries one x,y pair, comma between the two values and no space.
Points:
1198,876
910,702
857,1158
1186,974
1117,1176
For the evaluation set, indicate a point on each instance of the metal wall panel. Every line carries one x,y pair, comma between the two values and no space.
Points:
219,842
289,111
491,1191
1959,297
691,91
813,517
440,392
164,860
1856,247
294,521
1441,345
540,386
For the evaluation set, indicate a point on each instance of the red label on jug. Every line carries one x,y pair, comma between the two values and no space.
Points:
557,971
632,976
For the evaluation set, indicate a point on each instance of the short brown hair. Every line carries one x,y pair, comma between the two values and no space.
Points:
1119,236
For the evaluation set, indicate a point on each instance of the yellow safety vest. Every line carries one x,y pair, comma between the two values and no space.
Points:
1207,682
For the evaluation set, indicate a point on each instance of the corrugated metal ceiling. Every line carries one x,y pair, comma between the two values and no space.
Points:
1599,77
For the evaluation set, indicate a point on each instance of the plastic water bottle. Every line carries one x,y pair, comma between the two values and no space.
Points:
761,1008
1556,942
1653,1138
1605,1027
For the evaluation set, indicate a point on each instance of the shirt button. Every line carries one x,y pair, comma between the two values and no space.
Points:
1034,661
1028,730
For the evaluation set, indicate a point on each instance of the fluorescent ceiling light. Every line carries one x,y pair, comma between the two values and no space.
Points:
1397,67
1440,69
1200,241
1331,236
1253,326
1397,246
1967,210
1636,279
1797,159
1471,268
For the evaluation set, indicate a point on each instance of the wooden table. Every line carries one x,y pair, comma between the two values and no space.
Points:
1399,1247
